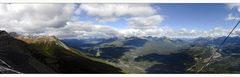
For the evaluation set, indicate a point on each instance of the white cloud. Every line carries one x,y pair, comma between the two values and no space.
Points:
34,18
104,11
78,10
58,20
182,33
83,30
231,16
155,32
145,22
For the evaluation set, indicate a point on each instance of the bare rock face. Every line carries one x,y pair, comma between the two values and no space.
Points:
4,67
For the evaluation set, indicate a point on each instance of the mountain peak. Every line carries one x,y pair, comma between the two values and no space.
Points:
3,33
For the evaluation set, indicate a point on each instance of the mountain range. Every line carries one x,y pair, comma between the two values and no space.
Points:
48,54
162,54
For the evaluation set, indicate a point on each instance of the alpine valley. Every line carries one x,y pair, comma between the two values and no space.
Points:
48,54
163,54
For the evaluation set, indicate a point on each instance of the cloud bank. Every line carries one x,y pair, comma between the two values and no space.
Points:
62,20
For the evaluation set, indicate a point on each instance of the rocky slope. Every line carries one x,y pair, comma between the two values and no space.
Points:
46,54
17,55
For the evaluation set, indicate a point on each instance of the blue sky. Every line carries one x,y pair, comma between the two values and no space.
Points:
177,16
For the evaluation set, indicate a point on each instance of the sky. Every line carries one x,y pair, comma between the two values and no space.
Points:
80,21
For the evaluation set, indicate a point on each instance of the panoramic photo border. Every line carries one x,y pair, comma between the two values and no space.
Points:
120,1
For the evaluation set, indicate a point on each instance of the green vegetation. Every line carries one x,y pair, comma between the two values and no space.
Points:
68,60
98,53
